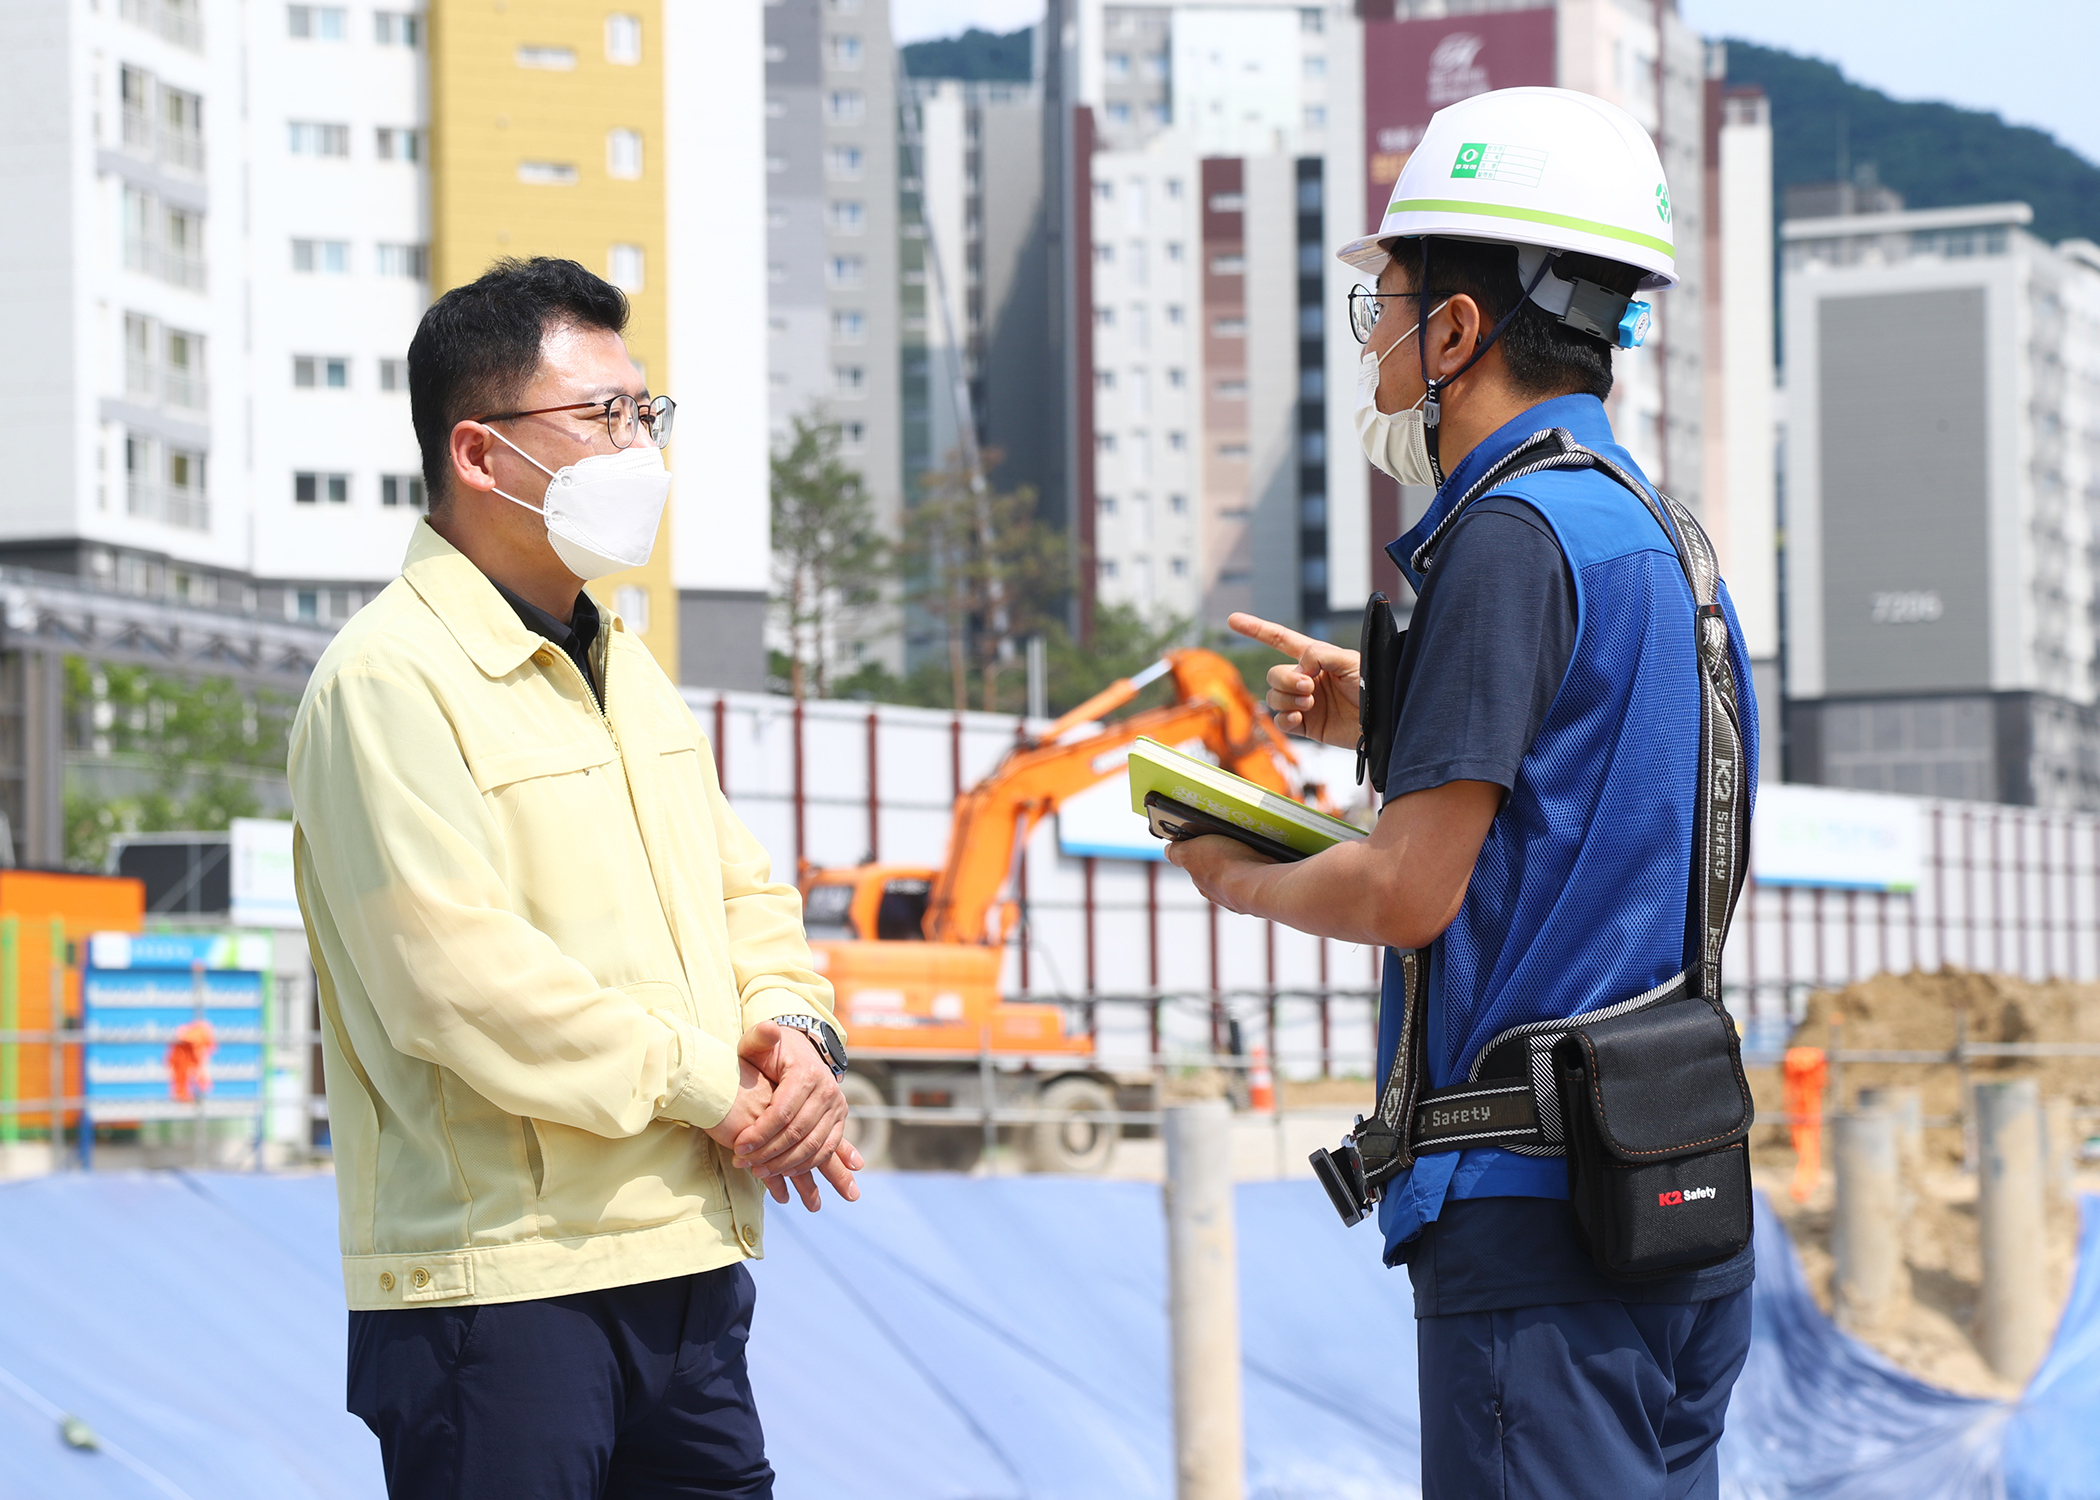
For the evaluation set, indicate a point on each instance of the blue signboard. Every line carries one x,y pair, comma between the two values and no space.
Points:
139,990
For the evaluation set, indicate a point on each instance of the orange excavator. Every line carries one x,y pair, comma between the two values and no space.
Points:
914,954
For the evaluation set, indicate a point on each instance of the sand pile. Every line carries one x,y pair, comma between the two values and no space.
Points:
1931,1331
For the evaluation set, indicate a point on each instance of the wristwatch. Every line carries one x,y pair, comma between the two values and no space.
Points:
829,1047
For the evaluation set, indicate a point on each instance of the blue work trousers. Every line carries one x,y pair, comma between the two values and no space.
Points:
1579,1401
632,1393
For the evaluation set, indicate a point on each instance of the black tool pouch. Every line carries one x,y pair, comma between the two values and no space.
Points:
1656,1117
1378,700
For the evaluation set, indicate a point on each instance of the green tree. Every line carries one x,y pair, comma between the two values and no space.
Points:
829,561
192,738
987,567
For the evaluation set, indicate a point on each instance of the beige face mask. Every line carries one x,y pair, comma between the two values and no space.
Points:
1395,442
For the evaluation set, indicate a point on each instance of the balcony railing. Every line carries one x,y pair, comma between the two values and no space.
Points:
176,505
176,21
190,392
181,150
176,267
138,131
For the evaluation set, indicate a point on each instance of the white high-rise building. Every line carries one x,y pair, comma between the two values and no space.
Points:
218,246
1943,505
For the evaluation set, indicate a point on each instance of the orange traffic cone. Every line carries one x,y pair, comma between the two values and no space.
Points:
1261,1084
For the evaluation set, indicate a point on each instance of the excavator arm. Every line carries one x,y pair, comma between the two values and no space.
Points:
995,818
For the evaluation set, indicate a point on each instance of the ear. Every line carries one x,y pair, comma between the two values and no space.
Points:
1454,334
473,452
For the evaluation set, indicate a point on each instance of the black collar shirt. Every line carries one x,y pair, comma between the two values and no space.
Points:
574,638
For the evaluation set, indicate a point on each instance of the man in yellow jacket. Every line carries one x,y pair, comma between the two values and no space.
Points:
571,1027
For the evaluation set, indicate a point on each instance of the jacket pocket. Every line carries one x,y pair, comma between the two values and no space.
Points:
535,1158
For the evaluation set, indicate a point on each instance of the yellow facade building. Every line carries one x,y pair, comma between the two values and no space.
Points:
547,138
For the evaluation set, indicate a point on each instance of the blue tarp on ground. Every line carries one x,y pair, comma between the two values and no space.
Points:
945,1339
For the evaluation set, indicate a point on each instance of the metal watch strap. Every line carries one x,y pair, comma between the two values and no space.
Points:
829,1047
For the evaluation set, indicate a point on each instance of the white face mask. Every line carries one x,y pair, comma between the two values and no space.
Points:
1395,442
602,512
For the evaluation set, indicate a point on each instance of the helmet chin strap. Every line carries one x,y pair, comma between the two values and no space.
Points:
1432,398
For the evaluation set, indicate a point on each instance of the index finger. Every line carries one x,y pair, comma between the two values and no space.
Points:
1269,633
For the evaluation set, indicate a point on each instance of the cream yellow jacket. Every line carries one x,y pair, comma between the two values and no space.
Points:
539,931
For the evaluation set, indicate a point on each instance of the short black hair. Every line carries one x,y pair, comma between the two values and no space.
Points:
1544,356
479,345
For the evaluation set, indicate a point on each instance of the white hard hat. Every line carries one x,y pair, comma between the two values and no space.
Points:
1548,168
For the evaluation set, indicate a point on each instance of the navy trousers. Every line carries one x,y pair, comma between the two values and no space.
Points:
626,1394
1579,1401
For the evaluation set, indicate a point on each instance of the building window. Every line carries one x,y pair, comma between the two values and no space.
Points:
1312,447
843,7
320,372
303,604
1104,380
1116,64
1228,203
1174,313
1108,569
1310,321
843,163
848,326
849,380
163,242
1312,385
396,143
393,374
1229,328
1179,504
1231,390
846,270
1316,67
1178,441
623,154
309,138
396,28
1228,265
1178,566
1174,251
1108,505
623,40
853,436
1177,377
1105,441
845,106
1104,317
547,173
1118,113
179,142
317,23
1159,115
309,489
847,216
412,261
624,267
321,257
1233,452
1315,117
549,59
845,50
401,489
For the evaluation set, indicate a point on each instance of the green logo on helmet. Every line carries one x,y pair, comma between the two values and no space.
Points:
1468,163
1662,201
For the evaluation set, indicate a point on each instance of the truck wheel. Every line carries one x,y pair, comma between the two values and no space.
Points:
870,1135
937,1148
1075,1141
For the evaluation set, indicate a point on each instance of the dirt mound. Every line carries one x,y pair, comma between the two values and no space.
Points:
1931,1328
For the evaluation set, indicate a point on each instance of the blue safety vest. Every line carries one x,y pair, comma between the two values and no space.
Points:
1578,897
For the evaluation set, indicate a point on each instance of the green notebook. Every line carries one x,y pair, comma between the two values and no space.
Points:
1184,797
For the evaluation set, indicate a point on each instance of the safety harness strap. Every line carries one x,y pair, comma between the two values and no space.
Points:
1509,1098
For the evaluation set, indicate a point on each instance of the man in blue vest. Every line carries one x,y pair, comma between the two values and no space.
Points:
1535,843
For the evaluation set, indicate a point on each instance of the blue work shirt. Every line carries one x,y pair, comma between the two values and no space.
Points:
1578,897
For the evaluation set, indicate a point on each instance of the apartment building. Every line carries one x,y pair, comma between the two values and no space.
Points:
1197,170
1942,404
230,218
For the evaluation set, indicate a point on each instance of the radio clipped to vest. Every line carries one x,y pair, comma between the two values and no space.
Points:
1645,1098
1378,690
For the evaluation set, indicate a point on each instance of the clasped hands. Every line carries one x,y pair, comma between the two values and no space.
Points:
787,1122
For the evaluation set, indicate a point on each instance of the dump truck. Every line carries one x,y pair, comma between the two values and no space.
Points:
914,954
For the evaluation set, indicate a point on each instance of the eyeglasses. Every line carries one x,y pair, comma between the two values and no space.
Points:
625,418
1365,306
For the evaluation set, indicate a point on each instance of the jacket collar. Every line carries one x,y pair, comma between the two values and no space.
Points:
461,596
1583,416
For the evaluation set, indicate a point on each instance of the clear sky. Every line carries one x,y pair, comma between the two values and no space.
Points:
2032,61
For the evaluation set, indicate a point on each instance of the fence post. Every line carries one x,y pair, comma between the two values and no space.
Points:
1204,1303
1908,1108
10,1021
1869,1237
54,1052
2009,1216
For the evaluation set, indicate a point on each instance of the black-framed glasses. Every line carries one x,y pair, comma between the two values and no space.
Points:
1365,306
625,418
